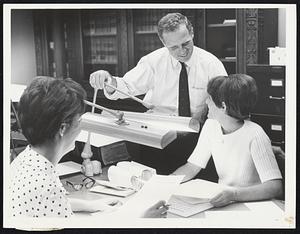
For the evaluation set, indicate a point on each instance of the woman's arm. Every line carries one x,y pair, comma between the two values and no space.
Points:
267,190
189,170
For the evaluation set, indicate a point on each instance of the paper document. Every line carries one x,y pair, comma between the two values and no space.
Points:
200,189
66,168
193,197
112,191
158,188
110,185
187,206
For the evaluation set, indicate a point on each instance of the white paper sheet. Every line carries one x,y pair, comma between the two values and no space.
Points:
199,189
66,168
185,207
111,191
158,188
96,139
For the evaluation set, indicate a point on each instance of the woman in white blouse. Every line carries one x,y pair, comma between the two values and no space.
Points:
240,149
49,111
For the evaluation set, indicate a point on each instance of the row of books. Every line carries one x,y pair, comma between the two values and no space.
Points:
100,26
103,50
102,59
147,21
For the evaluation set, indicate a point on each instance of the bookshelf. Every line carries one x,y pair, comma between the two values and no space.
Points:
144,23
76,42
221,36
99,38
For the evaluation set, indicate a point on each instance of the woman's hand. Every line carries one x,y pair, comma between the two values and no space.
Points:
223,198
158,210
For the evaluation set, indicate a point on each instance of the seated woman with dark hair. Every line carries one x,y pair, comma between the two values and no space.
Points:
50,110
240,149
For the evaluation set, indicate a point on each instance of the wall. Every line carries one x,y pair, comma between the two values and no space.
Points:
23,62
23,58
281,27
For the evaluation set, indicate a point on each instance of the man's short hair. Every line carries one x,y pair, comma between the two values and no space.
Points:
47,103
171,22
237,91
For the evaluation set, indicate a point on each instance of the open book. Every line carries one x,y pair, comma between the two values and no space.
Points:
193,197
124,179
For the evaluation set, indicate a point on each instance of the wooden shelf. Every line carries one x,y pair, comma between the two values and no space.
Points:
100,34
146,32
221,25
228,60
101,62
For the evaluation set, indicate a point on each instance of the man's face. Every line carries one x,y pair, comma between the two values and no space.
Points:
179,43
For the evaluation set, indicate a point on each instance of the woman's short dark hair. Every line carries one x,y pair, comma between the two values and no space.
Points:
47,103
237,91
171,22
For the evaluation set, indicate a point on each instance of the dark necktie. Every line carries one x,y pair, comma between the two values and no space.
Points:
184,98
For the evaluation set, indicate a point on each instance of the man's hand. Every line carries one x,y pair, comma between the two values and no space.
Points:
99,78
223,198
158,210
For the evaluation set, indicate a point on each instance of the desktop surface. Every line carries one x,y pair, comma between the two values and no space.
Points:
85,193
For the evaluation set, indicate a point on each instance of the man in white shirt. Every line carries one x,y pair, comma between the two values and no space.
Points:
158,76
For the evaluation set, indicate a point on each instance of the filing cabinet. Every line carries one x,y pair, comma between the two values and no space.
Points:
269,111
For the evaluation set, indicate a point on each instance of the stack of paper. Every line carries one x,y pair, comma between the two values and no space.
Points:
69,167
158,188
187,206
193,197
109,188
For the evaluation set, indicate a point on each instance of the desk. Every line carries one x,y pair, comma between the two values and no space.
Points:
85,194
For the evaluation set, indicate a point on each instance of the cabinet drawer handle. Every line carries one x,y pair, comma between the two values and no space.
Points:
278,142
276,127
276,98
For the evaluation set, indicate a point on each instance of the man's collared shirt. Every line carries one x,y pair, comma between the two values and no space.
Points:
157,75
